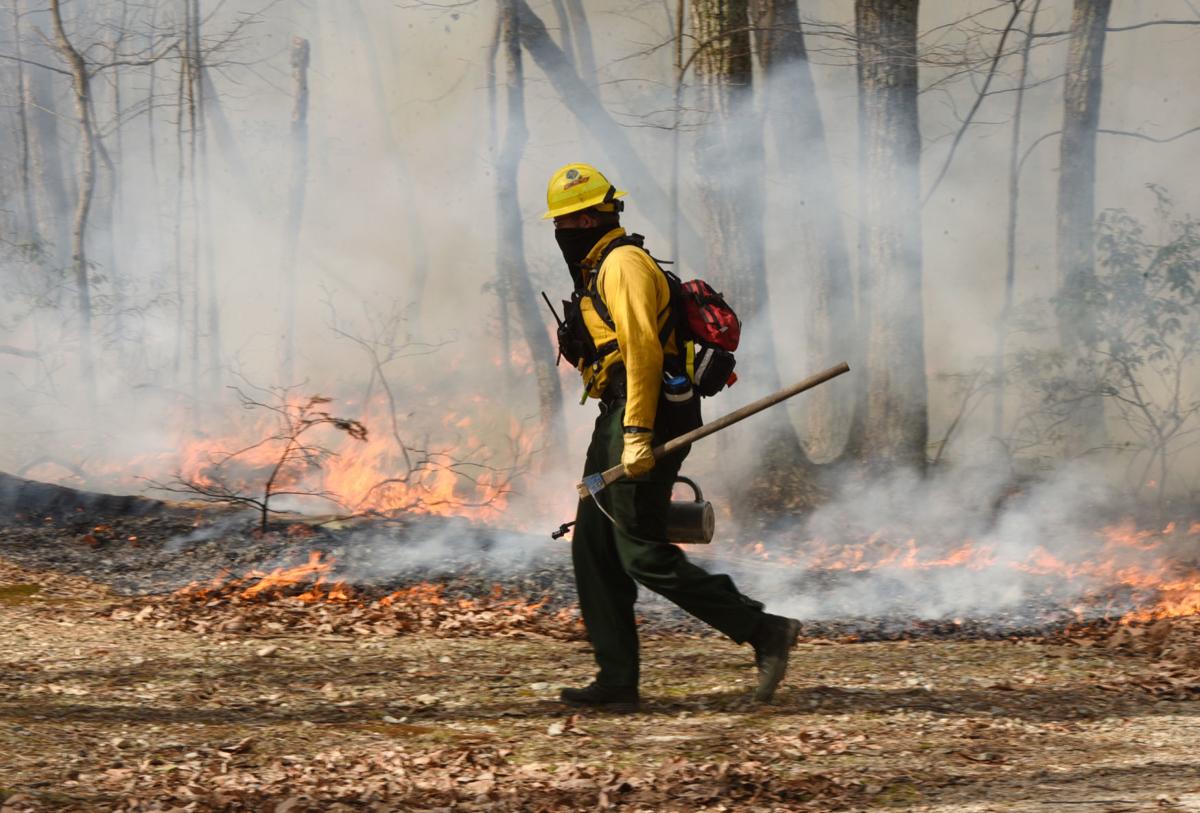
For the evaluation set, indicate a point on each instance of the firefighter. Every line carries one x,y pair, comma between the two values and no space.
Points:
618,334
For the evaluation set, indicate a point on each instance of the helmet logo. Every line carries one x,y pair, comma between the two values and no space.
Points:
574,179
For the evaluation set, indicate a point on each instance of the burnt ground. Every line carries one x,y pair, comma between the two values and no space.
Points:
115,695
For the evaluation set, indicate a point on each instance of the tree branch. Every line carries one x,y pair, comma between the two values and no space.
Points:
978,101
35,63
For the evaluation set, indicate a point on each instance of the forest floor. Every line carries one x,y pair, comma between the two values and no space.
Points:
107,703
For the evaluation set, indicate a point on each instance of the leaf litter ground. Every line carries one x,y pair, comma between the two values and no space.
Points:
119,702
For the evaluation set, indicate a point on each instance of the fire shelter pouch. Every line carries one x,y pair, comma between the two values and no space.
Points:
709,367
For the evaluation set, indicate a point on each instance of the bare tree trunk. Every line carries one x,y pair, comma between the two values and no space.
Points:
511,251
729,156
1010,237
897,423
151,142
291,234
110,193
632,173
203,218
226,144
160,280
730,172
402,183
1076,203
177,366
564,27
794,116
677,125
193,203
581,31
29,220
52,203
106,201
503,294
81,84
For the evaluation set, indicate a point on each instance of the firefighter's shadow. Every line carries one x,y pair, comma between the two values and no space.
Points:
1032,704
206,701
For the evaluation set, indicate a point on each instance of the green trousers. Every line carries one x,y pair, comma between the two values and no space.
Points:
610,562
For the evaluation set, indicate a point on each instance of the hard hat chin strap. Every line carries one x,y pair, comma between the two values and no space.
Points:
609,200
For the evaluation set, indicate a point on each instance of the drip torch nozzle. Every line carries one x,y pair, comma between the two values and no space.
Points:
562,530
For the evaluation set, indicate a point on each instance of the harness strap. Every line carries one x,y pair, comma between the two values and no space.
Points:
598,301
673,286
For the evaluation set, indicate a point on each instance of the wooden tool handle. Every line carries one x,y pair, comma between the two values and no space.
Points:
607,478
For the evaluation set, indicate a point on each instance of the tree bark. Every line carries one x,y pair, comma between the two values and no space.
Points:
564,27
29,220
730,171
152,148
511,251
581,32
203,206
291,235
108,192
180,167
1076,203
81,85
503,294
810,203
1010,237
226,143
634,174
52,201
190,92
897,424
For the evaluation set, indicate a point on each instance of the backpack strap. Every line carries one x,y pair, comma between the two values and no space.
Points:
602,311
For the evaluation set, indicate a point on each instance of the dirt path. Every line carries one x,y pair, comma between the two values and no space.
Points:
101,714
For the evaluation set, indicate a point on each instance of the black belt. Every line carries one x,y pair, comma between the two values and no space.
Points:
615,389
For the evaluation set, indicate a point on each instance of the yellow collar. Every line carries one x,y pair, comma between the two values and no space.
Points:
589,262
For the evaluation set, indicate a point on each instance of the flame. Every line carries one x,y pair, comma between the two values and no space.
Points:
1150,564
423,600
1146,563
257,585
466,470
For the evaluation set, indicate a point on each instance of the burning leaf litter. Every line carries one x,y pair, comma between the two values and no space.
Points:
302,599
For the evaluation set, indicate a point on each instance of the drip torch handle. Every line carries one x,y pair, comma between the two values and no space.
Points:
698,495
593,484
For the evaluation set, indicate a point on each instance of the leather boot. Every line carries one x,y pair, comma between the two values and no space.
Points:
609,698
772,642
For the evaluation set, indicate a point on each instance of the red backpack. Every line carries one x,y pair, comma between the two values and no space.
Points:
708,333
708,315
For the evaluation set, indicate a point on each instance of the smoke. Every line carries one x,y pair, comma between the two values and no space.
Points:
956,546
400,148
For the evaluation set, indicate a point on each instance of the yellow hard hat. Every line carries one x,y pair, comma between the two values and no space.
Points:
579,186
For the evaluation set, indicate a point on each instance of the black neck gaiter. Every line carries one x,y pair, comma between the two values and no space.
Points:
575,245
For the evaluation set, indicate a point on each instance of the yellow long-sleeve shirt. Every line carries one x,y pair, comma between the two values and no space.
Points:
638,298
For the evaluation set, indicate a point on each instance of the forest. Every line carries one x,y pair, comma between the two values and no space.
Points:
285,429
